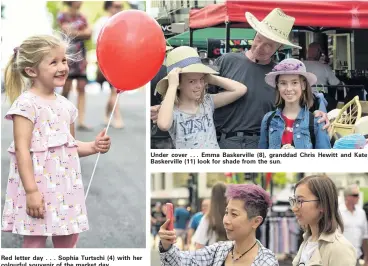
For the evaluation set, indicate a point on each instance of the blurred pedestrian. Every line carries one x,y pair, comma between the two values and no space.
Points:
157,220
323,72
45,193
211,228
246,210
196,219
74,24
112,8
355,222
315,205
182,217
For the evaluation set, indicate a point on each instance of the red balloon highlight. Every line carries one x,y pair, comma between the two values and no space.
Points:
130,49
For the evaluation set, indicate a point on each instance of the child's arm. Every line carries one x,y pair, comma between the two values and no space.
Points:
165,115
101,144
23,128
234,90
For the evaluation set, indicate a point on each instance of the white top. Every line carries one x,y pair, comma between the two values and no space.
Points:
99,24
324,73
308,251
201,234
355,226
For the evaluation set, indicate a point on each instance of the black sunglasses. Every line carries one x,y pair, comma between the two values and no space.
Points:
354,195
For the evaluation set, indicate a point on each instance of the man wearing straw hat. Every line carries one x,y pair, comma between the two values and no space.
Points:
159,138
238,124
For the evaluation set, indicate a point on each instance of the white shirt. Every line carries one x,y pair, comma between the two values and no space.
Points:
99,24
324,73
308,251
201,234
355,226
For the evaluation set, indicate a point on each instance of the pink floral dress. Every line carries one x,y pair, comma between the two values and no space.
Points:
56,169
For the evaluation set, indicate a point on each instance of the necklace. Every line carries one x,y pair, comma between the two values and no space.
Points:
232,252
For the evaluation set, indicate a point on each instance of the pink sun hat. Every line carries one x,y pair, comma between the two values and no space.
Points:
290,66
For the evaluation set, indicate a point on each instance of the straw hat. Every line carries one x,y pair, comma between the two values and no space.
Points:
290,66
188,60
275,26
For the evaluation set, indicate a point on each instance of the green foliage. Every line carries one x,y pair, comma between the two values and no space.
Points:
365,194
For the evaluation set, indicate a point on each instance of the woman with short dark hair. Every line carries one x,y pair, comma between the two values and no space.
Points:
246,210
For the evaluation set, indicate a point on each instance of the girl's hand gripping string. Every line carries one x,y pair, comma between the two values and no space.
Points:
102,143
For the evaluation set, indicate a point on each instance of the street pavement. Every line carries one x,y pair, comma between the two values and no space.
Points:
116,203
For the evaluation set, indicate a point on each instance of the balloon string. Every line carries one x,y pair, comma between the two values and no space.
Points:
98,155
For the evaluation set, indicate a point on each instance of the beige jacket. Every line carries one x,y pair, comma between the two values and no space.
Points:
333,250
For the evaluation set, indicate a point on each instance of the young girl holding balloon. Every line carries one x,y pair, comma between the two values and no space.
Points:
45,195
187,110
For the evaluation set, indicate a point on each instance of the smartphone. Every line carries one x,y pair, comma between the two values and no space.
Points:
170,215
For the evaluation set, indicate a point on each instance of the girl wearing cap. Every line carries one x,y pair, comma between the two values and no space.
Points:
187,110
292,125
246,210
315,205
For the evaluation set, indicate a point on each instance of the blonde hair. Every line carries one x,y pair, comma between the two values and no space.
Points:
29,54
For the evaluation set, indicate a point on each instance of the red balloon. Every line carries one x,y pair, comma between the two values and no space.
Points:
130,49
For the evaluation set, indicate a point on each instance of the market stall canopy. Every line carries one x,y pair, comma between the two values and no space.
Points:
315,14
201,36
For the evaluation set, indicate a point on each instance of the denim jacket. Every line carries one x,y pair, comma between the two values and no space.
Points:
301,134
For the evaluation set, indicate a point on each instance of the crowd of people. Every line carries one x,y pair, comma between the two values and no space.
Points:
193,106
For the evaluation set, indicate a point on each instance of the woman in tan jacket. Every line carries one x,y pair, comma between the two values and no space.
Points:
315,205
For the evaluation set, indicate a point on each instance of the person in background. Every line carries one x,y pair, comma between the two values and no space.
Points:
315,205
195,220
211,228
112,8
74,25
157,220
324,73
355,222
182,217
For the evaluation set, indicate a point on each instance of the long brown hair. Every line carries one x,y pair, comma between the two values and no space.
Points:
325,190
305,100
217,211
